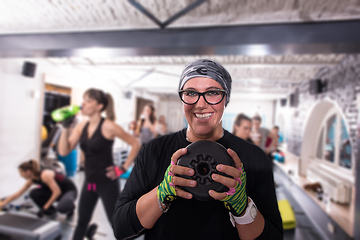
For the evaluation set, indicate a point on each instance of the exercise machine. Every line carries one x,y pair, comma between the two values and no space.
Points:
28,227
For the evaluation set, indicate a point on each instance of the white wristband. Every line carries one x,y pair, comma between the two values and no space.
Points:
248,217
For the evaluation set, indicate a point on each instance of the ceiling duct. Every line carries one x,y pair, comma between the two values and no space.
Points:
171,19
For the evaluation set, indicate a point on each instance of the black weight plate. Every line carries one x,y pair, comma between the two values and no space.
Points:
203,157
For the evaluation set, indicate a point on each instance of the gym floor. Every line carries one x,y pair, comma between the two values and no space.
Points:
303,230
104,230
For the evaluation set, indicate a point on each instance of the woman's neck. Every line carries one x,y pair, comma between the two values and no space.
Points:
192,136
94,119
35,177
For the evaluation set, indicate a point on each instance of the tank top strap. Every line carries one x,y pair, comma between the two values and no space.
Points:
100,124
97,129
101,121
86,126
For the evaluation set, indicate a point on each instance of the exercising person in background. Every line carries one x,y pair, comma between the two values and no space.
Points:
146,125
96,136
261,136
276,134
161,126
53,187
242,127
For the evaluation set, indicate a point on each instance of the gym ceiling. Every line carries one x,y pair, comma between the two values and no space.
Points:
269,47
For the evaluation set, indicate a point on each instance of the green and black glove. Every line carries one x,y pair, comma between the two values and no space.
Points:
236,199
166,191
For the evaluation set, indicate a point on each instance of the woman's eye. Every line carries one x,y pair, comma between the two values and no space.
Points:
191,93
212,93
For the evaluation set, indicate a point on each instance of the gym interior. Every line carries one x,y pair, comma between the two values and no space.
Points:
294,63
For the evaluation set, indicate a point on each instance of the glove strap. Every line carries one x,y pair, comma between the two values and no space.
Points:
163,205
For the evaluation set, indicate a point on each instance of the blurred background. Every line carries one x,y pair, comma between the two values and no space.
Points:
295,63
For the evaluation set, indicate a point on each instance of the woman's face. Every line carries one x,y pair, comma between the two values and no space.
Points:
147,111
162,119
25,174
90,106
204,119
256,124
244,129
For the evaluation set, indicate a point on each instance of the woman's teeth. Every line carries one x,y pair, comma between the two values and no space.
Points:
203,116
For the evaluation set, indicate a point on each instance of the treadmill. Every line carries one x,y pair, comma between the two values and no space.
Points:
25,227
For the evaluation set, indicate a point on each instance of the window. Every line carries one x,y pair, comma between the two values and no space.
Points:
345,148
333,145
330,141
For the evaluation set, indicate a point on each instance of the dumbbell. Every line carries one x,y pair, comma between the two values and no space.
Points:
91,230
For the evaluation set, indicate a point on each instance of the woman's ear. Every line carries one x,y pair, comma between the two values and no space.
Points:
100,107
236,127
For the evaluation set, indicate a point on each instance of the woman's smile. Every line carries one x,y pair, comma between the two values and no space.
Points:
203,116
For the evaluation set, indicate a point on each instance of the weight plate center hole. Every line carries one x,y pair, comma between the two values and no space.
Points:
203,168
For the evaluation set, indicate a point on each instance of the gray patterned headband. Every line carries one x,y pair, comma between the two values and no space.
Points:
209,69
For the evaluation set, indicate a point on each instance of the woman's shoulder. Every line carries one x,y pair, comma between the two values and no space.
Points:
243,147
46,174
110,124
81,125
167,142
157,153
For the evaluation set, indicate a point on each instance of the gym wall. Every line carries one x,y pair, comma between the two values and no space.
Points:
20,114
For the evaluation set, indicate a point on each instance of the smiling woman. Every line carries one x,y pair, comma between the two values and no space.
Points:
204,119
154,200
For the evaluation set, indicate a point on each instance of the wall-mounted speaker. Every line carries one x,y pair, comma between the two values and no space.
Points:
128,94
283,102
316,86
28,69
324,86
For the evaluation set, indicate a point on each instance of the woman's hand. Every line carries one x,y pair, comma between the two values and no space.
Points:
235,200
113,172
168,189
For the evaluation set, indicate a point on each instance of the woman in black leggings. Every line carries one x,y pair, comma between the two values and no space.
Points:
96,136
52,187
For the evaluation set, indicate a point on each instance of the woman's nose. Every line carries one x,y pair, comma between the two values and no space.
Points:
201,103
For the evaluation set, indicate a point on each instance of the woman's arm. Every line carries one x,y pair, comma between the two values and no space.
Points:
133,214
246,231
148,207
153,127
164,127
48,177
67,141
139,124
15,195
112,130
